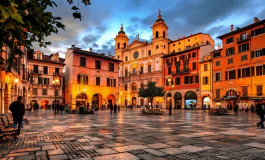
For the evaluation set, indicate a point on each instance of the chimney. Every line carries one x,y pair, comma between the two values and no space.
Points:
73,46
256,20
90,49
232,28
183,36
219,47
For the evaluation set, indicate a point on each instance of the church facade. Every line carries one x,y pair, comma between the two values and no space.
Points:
142,63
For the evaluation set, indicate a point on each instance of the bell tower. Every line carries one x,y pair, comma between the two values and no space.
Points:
121,42
159,28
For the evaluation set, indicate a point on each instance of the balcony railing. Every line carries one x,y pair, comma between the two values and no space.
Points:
33,71
185,60
57,74
243,39
182,71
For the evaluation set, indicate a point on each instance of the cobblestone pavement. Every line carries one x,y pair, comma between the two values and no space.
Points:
130,135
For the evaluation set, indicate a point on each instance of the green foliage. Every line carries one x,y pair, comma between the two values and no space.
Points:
23,22
151,91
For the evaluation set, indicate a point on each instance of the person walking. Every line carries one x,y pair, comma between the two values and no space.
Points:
110,107
252,109
115,108
119,108
18,110
235,108
260,113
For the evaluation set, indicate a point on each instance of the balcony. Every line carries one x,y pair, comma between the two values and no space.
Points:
182,71
243,39
57,74
33,71
185,60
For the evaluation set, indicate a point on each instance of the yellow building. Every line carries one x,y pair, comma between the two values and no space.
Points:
206,81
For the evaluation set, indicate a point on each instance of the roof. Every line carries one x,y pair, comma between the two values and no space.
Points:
46,58
189,37
121,32
242,29
159,20
177,53
88,53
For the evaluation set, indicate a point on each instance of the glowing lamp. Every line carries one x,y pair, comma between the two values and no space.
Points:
16,80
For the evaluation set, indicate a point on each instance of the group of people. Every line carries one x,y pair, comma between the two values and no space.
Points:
114,108
59,107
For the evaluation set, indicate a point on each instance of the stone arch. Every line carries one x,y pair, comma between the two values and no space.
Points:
178,100
110,99
81,99
190,99
97,100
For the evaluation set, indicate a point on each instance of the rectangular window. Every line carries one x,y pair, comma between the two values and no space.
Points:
186,80
82,62
258,53
111,67
177,81
98,81
142,70
216,54
244,57
244,91
34,91
258,70
40,80
31,79
57,70
243,36
56,92
246,72
205,67
243,48
217,63
194,54
35,68
169,70
252,71
229,40
231,74
238,73
230,51
125,87
259,90
82,79
111,82
45,69
205,80
44,91
193,65
46,81
258,31
230,60
98,64
217,93
196,79
191,79
218,76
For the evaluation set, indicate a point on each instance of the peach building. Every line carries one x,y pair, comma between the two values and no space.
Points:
239,67
45,79
90,78
13,77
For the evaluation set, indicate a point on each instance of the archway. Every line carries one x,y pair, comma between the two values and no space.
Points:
44,104
96,100
206,102
178,100
81,99
111,99
190,99
169,100
231,97
133,101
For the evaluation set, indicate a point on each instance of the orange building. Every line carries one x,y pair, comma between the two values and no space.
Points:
45,79
181,70
90,78
239,67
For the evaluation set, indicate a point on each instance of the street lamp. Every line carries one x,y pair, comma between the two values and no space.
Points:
55,84
171,84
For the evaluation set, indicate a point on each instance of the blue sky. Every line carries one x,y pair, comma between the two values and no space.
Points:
102,19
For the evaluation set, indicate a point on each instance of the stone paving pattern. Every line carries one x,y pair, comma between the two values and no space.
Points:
130,135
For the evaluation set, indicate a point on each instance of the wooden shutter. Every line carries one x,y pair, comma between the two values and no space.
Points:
226,77
86,79
108,82
114,82
252,71
238,73
78,79
252,54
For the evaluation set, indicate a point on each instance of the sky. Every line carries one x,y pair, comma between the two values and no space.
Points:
102,20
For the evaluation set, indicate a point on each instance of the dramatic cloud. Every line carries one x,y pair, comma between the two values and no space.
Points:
102,21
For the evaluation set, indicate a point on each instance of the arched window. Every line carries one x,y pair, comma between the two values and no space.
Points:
124,45
134,70
157,46
126,72
118,45
149,53
142,70
157,34
126,58
134,86
149,68
118,57
164,34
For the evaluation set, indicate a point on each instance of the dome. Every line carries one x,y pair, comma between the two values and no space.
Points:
159,20
121,32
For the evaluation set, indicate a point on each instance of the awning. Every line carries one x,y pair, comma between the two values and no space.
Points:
257,98
244,98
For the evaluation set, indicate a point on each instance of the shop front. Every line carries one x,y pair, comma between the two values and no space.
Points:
178,100
258,99
190,100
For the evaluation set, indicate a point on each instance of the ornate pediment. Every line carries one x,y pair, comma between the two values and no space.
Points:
136,43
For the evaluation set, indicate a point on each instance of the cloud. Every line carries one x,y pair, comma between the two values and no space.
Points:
95,45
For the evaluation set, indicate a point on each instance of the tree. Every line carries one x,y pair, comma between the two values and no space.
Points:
151,91
25,21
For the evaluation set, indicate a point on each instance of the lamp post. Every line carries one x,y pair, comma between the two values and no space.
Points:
55,84
171,84
84,90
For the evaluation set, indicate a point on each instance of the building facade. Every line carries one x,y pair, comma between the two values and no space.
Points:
45,79
90,78
182,73
142,63
239,67
206,86
13,77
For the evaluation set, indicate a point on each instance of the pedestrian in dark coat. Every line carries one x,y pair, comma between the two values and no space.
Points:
235,108
115,108
119,108
18,110
111,108
260,113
